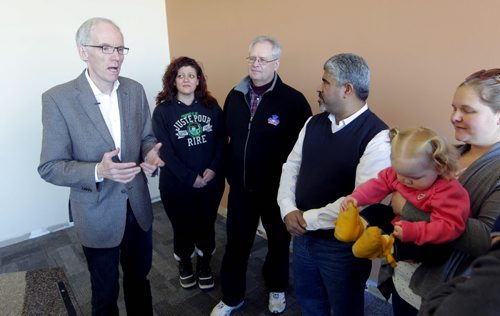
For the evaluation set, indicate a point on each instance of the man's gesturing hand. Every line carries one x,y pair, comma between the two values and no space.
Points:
122,172
152,161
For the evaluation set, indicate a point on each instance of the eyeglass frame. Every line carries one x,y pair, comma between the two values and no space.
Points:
261,61
483,74
124,49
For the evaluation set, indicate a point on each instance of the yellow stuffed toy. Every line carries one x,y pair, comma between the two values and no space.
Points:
372,244
349,226
369,243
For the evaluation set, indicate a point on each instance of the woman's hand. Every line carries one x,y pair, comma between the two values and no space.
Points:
199,183
208,175
495,239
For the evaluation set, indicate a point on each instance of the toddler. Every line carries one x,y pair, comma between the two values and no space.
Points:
423,171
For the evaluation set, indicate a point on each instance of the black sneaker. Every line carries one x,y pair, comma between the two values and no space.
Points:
186,276
205,278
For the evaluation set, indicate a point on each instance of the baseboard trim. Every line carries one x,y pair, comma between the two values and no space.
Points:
39,232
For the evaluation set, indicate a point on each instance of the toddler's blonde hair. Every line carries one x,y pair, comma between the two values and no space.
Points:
426,143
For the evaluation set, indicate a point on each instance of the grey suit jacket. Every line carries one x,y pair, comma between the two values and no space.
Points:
75,137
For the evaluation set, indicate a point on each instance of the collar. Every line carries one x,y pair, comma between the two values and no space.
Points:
262,89
195,101
97,92
351,118
336,127
244,85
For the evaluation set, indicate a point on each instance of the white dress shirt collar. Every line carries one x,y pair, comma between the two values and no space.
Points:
97,92
337,127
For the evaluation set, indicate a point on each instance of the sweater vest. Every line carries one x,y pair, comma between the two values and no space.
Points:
329,160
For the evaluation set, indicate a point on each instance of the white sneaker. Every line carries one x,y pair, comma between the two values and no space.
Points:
222,309
277,302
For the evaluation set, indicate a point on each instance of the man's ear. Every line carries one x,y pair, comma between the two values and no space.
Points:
83,53
276,64
348,89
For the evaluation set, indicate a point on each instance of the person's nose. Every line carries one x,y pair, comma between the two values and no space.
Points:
256,63
115,55
456,116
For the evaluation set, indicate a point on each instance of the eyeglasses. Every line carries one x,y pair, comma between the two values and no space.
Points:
485,74
261,61
110,49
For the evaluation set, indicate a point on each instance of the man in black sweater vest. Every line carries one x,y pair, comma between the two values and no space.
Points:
336,150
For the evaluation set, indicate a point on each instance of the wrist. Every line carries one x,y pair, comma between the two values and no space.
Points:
98,173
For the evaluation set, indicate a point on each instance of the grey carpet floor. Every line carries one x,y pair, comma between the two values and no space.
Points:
61,249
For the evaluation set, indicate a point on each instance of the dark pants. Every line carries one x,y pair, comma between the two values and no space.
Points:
400,307
135,256
244,210
192,213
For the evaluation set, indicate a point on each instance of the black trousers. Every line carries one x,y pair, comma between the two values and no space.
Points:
192,213
244,210
135,256
400,307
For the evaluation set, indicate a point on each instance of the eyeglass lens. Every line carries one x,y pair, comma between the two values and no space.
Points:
259,60
111,50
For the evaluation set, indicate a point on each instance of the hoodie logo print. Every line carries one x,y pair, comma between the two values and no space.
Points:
193,126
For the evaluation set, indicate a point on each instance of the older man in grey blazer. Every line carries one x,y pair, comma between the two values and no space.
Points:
98,140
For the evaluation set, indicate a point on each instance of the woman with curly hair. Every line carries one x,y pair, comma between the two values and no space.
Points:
188,122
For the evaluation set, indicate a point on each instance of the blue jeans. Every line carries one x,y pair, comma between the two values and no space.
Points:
327,277
135,255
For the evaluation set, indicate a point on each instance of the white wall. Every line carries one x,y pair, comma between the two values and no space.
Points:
37,52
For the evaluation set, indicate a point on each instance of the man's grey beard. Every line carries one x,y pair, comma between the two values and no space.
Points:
322,108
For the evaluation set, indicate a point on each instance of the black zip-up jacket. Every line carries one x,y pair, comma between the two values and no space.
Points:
259,146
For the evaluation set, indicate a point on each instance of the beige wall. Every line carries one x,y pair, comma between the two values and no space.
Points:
418,51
